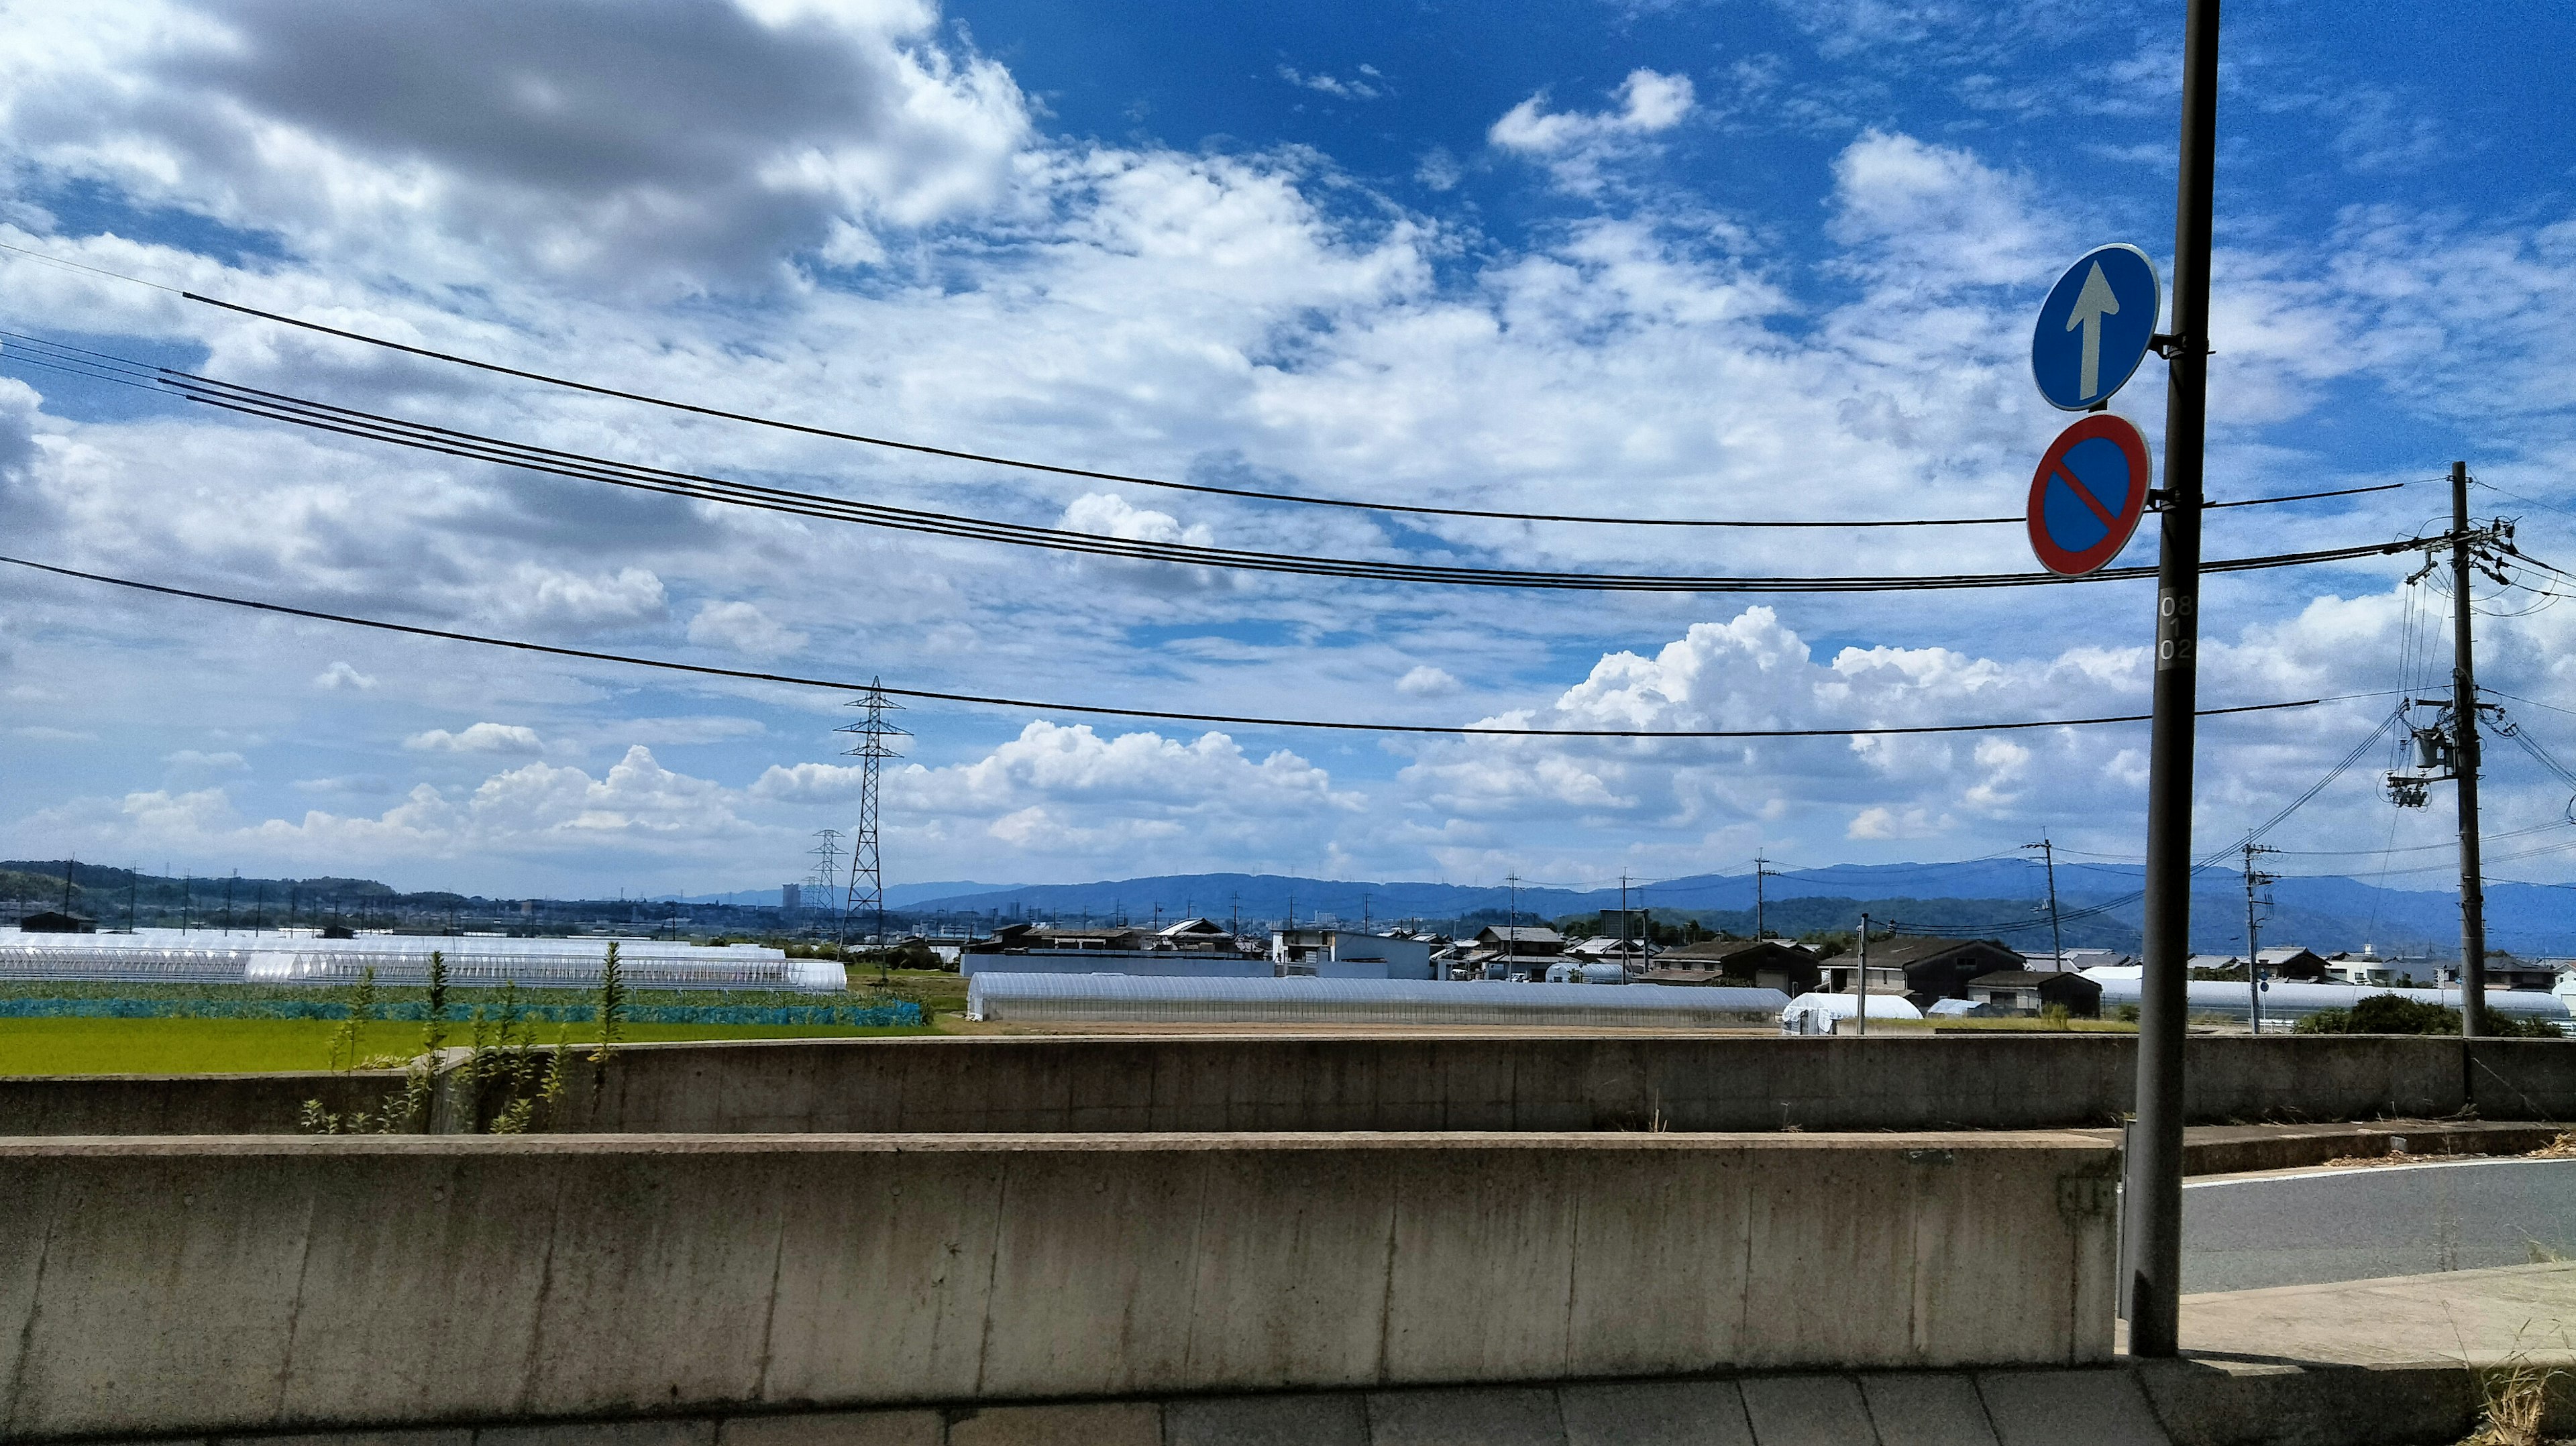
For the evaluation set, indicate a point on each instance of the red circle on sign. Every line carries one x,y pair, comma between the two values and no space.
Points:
2118,515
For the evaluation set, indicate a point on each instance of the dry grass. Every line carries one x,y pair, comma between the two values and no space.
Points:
2515,1399
2562,1148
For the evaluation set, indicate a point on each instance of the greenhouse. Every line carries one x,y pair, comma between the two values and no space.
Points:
1299,999
171,956
2283,1000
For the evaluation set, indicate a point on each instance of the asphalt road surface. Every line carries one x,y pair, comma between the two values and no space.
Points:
2364,1223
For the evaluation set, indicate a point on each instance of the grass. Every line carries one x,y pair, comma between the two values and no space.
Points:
258,1046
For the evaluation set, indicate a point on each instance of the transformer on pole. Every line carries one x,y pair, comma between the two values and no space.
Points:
873,748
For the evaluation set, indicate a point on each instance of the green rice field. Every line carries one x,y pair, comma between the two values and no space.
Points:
253,1046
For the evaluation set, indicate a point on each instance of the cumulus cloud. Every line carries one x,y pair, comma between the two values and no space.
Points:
533,812
481,738
1060,791
575,602
744,628
665,138
1426,681
342,675
1576,145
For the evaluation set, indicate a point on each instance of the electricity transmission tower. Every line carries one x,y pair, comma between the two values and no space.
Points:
873,747
825,877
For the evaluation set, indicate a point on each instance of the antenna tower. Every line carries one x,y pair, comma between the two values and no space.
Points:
872,748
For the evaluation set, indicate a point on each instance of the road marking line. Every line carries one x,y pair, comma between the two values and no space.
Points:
2350,1172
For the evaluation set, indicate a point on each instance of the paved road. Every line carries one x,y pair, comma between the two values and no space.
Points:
2361,1224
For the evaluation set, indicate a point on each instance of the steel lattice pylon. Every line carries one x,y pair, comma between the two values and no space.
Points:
867,878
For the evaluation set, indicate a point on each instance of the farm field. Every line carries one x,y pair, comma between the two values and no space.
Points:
254,1046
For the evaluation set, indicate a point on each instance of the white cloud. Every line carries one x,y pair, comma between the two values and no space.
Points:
341,675
744,628
1425,681
1578,144
1439,170
656,141
1105,514
548,597
481,738
1879,822
1328,85
190,758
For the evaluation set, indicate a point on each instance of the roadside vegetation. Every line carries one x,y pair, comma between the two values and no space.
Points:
2394,1014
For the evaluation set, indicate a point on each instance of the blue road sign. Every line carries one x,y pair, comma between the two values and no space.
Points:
2094,328
2087,494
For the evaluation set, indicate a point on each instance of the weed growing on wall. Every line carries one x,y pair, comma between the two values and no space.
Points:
362,1007
506,1084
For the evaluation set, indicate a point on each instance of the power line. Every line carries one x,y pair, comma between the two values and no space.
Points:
2250,836
845,685
419,436
1089,474
585,467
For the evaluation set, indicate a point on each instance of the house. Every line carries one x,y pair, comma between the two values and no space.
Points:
53,921
1206,934
2504,971
2364,969
1767,963
2075,961
1349,954
1111,949
2293,964
2025,991
1921,967
1515,951
1610,949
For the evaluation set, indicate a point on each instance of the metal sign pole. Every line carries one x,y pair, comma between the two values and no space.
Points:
2154,1193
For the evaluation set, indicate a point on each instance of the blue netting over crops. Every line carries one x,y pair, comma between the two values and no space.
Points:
901,1012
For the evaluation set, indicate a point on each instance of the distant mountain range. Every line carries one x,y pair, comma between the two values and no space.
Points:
2002,898
2098,904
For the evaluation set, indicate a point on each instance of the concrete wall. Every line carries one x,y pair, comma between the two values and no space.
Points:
200,1104
1557,1082
1508,1081
174,1285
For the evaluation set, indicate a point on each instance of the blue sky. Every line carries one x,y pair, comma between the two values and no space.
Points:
1722,259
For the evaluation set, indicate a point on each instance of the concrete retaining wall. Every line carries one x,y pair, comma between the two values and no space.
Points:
185,1285
1275,1081
1530,1082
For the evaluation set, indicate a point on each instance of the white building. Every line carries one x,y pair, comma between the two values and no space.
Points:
1348,954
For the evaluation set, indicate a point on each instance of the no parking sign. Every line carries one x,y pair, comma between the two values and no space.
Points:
2086,497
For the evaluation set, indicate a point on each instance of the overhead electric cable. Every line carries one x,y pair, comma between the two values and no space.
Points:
397,431
2251,835
1085,473
844,685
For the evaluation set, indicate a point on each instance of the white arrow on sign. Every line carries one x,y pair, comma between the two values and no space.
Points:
2093,303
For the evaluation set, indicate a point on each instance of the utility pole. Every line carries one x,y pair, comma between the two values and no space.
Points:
1761,870
2464,755
2254,880
2153,1292
2048,861
1863,1004
1623,916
